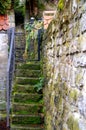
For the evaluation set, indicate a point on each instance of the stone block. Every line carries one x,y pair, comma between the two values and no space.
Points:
82,23
82,104
79,60
82,124
82,41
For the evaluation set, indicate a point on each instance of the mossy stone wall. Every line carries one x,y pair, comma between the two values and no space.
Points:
64,59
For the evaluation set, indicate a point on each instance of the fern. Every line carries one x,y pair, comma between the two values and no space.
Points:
39,85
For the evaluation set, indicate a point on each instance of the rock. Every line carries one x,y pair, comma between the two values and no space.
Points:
82,23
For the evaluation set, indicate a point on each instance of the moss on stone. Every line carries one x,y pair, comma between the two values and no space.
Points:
31,66
26,120
27,98
23,88
74,95
25,109
61,4
73,123
48,121
78,78
24,81
28,73
57,102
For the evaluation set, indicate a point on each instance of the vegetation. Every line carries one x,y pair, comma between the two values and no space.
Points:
40,84
73,123
4,6
19,8
60,4
31,35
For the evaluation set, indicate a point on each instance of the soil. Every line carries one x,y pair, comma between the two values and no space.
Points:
3,125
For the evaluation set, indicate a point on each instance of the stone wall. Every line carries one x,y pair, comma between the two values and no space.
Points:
64,49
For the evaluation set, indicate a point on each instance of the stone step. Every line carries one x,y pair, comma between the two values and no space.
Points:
27,98
3,116
24,88
26,109
18,50
19,60
21,45
27,120
34,127
28,73
25,80
19,53
31,66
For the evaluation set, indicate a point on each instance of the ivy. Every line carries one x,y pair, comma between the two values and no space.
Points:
4,6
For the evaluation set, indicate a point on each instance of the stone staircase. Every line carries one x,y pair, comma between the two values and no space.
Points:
27,104
19,46
27,109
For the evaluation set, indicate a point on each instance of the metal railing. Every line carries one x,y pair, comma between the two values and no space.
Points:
10,70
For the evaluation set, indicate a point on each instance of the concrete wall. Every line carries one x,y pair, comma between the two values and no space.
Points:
3,72
64,61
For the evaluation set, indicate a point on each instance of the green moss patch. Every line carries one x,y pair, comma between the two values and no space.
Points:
74,95
29,66
24,120
21,109
28,73
27,98
61,4
73,124
23,81
24,88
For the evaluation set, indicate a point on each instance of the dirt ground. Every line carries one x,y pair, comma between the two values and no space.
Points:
3,125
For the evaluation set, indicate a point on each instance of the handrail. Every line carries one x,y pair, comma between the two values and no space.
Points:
10,71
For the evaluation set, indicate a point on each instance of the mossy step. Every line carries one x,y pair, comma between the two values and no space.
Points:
24,80
3,116
27,108
24,88
27,119
27,98
19,54
18,127
31,66
28,73
18,61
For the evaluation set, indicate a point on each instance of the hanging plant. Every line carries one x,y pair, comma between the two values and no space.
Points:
31,34
4,6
